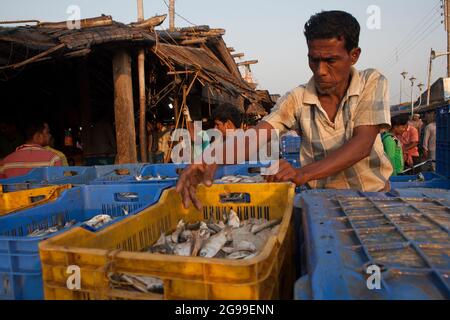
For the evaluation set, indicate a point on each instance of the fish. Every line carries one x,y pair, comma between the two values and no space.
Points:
241,246
144,284
98,221
186,235
245,235
215,243
261,227
178,231
200,237
183,249
237,255
233,220
193,226
214,227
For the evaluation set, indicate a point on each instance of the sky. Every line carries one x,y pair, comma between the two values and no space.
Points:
398,38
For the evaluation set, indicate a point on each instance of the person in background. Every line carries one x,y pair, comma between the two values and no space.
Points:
99,145
227,117
32,154
417,123
163,136
410,141
429,139
392,145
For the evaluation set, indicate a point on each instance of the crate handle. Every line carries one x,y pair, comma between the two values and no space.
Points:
254,170
126,197
122,172
235,197
38,198
70,173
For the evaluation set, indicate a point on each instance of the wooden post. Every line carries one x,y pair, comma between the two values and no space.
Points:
142,100
123,108
176,106
171,15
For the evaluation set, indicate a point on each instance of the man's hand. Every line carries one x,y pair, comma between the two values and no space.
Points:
287,173
186,114
189,180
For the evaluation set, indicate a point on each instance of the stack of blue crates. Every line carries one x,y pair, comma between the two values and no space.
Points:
20,265
290,149
375,246
443,141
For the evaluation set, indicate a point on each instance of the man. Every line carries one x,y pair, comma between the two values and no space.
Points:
410,141
429,139
417,123
32,154
226,117
340,113
392,145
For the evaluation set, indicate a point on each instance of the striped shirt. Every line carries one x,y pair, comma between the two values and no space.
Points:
366,103
27,157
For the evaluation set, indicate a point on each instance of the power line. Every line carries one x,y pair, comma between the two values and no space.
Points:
407,50
180,16
412,35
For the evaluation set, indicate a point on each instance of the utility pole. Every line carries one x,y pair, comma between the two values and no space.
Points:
142,100
172,15
447,28
412,79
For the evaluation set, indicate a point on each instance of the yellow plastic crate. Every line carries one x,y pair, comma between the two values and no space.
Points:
19,200
116,249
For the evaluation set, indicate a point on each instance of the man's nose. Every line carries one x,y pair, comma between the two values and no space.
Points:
322,69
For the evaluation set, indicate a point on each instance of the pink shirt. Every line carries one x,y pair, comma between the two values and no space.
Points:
409,136
27,157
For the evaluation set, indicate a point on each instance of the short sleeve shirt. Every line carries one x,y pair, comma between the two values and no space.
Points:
366,103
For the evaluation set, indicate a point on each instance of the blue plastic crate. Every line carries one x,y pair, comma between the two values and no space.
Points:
20,266
49,176
437,194
432,180
290,144
406,238
113,174
443,141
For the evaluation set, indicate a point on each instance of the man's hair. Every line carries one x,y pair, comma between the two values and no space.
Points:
227,112
334,24
32,127
400,120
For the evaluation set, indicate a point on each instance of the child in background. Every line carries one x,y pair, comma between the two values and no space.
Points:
392,146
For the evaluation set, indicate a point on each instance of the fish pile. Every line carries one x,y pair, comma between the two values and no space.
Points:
241,179
230,239
151,178
227,239
95,223
51,230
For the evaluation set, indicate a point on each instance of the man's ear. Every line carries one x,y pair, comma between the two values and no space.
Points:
354,55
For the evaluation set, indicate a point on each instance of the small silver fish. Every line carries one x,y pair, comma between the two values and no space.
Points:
186,235
233,220
267,225
238,255
178,231
98,221
183,249
215,243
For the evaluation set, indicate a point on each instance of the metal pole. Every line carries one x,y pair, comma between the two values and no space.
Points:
142,99
429,78
447,14
172,15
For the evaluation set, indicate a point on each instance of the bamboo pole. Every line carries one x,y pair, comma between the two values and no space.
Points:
142,100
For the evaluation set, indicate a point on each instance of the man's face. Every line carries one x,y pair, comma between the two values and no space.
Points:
224,126
331,64
400,130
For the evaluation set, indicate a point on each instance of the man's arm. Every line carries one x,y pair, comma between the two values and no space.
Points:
355,150
426,139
